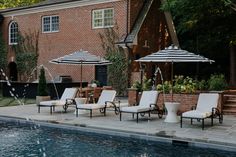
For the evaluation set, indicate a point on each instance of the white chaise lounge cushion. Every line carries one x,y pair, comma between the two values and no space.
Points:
53,102
196,114
69,93
106,95
206,102
147,98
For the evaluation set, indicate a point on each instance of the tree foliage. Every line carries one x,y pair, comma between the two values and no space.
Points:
42,86
205,27
26,53
17,3
3,53
117,71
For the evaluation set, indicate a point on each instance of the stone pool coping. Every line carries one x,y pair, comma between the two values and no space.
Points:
128,134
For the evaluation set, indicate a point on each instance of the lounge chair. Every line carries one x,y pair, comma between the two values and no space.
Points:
146,105
66,99
206,108
105,100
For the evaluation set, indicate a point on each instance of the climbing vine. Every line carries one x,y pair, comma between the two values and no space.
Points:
26,53
118,70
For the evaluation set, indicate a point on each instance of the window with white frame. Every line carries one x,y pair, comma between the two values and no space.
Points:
103,18
13,33
50,24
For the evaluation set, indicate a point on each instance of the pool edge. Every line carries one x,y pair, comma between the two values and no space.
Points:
137,135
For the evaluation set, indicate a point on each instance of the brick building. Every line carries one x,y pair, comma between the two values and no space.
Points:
66,26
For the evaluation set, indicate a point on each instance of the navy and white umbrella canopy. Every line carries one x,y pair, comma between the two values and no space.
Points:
174,54
81,58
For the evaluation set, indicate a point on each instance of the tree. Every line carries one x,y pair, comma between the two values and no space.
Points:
3,53
205,27
231,4
42,86
117,71
17,3
26,53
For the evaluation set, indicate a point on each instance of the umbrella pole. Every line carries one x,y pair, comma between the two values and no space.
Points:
81,68
172,64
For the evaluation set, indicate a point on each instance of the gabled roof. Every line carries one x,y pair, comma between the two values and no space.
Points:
130,38
139,22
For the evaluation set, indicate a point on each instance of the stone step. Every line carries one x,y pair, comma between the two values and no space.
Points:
229,112
230,101
230,96
229,106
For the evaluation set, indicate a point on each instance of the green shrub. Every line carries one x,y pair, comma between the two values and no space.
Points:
147,84
137,85
183,84
166,87
42,86
202,85
217,82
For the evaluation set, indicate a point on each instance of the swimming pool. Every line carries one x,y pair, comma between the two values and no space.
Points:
17,139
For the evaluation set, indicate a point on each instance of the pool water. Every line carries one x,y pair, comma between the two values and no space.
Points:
23,140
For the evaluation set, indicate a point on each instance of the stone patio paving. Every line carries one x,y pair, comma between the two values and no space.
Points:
220,134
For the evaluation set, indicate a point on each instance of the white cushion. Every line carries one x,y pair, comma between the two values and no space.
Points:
53,103
90,106
135,109
148,98
196,114
106,95
207,101
69,93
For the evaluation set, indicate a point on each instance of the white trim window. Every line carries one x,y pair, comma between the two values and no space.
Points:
103,18
50,24
13,33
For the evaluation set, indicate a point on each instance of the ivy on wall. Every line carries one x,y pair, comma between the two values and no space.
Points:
118,70
3,53
26,53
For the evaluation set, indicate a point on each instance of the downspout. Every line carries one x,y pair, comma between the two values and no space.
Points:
126,44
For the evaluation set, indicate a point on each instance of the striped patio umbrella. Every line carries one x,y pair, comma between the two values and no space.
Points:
173,54
81,58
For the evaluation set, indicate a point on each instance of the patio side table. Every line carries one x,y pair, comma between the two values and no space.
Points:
172,108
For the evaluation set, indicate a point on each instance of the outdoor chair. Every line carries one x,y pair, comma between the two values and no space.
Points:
206,108
95,94
146,105
66,99
105,100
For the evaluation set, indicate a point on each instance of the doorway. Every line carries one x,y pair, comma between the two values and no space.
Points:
12,71
101,74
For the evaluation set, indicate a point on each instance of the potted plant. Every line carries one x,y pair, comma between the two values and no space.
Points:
42,91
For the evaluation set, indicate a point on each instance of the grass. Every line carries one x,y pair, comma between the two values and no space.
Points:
9,101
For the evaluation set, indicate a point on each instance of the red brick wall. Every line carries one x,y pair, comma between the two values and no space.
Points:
135,7
75,33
